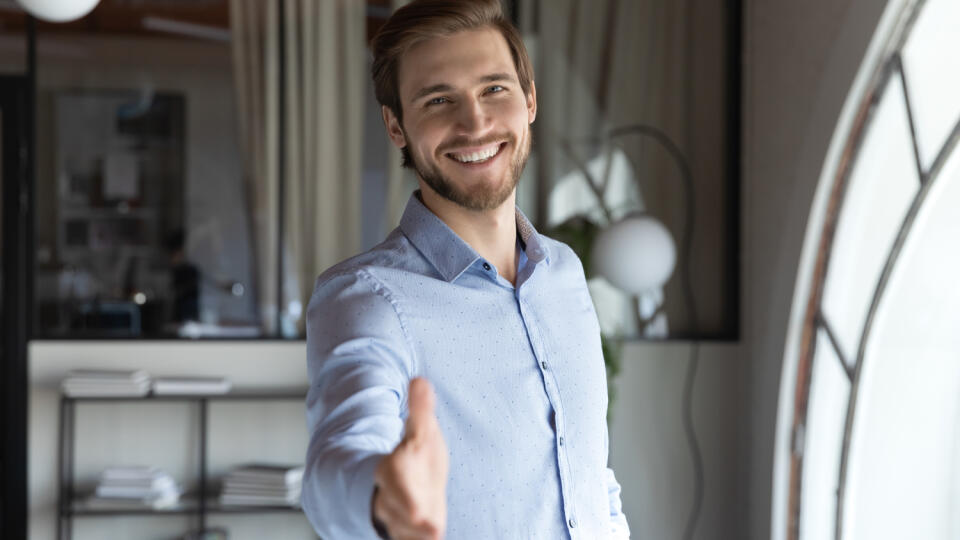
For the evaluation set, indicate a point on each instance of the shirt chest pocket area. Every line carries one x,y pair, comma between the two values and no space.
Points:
572,343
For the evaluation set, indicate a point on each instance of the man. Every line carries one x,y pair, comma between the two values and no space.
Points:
457,382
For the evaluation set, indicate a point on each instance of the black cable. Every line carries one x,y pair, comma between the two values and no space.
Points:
686,250
692,442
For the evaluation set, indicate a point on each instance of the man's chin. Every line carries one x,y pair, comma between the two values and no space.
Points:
483,197
485,190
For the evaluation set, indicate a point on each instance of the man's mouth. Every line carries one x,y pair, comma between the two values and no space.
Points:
480,154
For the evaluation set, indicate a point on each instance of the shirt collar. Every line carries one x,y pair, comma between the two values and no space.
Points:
446,251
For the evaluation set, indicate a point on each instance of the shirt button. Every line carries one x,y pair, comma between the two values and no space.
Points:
486,266
543,364
561,441
572,523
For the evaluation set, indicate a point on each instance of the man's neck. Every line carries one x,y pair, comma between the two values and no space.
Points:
491,233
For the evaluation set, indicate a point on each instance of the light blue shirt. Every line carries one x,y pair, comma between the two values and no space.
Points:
518,373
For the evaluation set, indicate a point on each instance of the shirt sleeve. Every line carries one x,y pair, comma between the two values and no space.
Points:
359,363
618,522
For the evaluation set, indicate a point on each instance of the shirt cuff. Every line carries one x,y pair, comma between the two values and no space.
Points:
362,494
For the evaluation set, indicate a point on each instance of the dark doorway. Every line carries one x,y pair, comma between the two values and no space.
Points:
16,108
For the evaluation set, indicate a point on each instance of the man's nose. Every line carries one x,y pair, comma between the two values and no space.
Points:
472,116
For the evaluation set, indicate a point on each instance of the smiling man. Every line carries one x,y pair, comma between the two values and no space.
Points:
457,385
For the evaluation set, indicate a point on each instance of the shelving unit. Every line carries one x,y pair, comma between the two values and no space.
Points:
70,507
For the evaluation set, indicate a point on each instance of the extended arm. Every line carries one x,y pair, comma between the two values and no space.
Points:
359,364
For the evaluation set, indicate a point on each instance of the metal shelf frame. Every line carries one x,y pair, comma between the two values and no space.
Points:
199,506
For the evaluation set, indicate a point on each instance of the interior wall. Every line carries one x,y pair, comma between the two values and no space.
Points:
648,445
648,448
165,433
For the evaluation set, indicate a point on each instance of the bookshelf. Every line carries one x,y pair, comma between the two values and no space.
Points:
199,504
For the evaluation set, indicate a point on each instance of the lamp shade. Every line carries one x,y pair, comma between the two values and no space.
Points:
635,254
58,10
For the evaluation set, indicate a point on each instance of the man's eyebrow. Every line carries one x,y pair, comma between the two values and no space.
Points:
443,87
496,77
424,92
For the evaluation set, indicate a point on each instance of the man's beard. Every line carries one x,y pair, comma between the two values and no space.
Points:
482,197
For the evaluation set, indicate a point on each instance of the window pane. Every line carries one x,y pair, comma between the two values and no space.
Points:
880,190
826,412
932,69
905,453
143,223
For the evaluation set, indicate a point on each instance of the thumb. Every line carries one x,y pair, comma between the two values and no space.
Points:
420,400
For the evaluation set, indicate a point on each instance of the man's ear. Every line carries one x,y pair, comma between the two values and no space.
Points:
394,130
532,103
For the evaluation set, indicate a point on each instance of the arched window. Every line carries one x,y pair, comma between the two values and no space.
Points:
869,427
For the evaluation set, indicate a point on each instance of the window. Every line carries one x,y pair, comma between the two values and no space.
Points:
142,225
874,404
189,158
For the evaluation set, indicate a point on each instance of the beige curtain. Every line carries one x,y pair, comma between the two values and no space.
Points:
299,74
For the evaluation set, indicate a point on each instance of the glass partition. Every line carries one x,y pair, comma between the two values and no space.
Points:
143,227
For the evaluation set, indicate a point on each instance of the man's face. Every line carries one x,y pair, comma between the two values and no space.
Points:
466,120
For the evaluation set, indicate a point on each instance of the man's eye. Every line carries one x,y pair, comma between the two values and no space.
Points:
437,101
495,88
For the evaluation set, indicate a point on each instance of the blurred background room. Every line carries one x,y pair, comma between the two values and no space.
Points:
762,192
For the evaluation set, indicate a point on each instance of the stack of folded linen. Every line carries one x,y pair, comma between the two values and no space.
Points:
149,487
262,485
182,386
106,383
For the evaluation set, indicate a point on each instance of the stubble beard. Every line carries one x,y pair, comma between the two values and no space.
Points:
483,197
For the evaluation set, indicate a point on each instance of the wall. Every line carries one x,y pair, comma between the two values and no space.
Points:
648,445
165,433
648,449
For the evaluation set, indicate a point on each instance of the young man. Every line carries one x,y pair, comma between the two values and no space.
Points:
457,382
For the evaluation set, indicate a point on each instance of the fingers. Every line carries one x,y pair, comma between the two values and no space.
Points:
411,500
399,522
420,400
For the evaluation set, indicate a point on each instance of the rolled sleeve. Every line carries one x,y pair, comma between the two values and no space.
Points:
359,363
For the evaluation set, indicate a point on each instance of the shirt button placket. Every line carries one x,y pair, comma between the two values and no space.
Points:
572,522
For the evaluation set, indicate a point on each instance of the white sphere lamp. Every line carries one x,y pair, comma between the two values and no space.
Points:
58,11
636,254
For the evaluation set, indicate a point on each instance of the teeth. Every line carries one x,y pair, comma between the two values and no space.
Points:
477,156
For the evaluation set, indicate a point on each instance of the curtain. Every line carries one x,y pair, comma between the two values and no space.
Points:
299,76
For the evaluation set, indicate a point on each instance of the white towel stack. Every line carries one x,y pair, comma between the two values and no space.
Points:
136,486
262,485
106,383
182,386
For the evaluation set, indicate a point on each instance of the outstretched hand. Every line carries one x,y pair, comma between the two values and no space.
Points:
411,499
